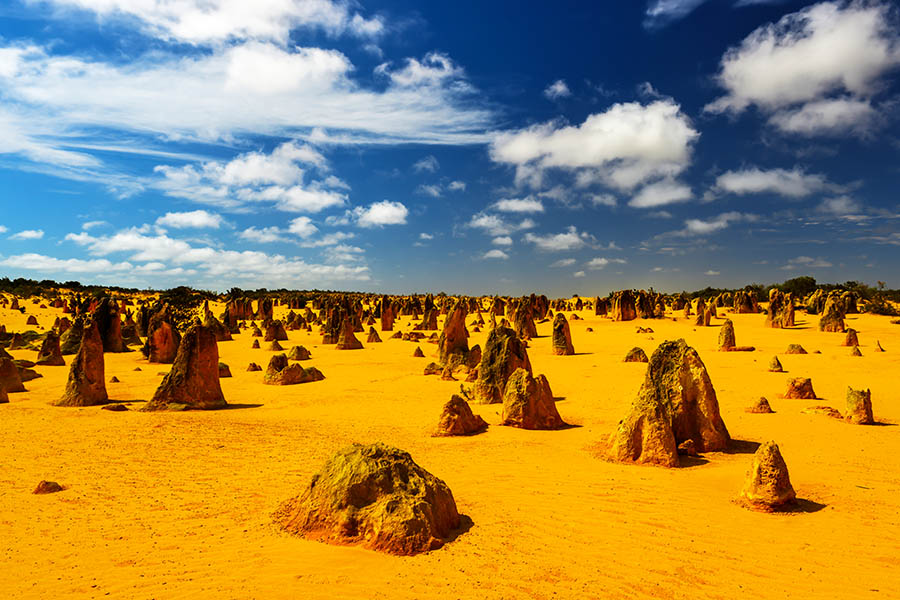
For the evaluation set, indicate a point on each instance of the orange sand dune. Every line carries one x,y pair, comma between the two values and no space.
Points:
178,505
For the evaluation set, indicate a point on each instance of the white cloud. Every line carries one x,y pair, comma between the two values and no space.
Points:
302,227
519,205
197,219
578,274
495,253
216,21
813,70
840,206
595,264
806,262
264,235
497,226
718,223
434,69
231,92
87,225
429,190
712,273
380,214
3,229
661,193
569,240
39,262
557,89
503,240
343,253
28,234
604,200
457,186
828,117
426,236
563,262
794,183
277,178
624,147
429,163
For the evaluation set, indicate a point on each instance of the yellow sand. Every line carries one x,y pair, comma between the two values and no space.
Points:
177,505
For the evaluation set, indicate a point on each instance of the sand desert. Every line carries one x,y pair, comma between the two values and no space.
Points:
176,504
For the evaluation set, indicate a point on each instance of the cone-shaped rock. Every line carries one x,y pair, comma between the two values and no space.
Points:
800,388
299,353
528,403
832,316
859,407
562,337
163,338
373,336
636,355
726,337
795,349
280,372
274,346
504,352
374,496
768,485
275,332
878,347
457,418
775,365
224,370
253,367
453,345
10,380
676,403
255,345
50,354
193,380
4,397
347,340
47,487
761,407
106,315
855,351
851,339
71,339
87,384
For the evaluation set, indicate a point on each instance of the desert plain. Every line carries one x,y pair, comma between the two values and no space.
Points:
179,504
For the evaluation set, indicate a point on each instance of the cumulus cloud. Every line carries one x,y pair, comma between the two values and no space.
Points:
626,146
429,190
92,224
793,183
197,219
39,262
696,227
216,21
519,205
807,262
426,236
814,70
502,240
557,89
563,262
595,264
380,214
497,226
277,178
28,234
264,235
604,200
578,274
569,240
429,163
457,186
661,193
495,253
712,273
840,206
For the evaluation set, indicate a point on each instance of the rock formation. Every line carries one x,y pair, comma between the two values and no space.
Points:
10,380
275,332
636,355
457,418
50,354
347,340
374,496
417,353
373,336
528,403
726,339
562,337
775,365
676,403
253,367
832,317
280,372
800,388
768,485
761,407
86,385
859,407
224,371
193,381
106,316
851,339
504,352
299,353
623,306
163,338
453,345
795,349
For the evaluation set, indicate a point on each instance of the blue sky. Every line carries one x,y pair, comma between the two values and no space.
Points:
467,147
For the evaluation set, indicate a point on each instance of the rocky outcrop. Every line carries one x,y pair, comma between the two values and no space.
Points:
457,418
528,403
193,381
504,352
281,372
859,407
562,337
86,385
768,484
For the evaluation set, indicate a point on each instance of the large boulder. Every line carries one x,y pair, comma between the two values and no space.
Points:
832,316
768,485
347,340
562,337
727,340
457,418
281,372
623,306
193,381
453,345
800,388
86,385
376,497
528,403
50,355
504,352
676,403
